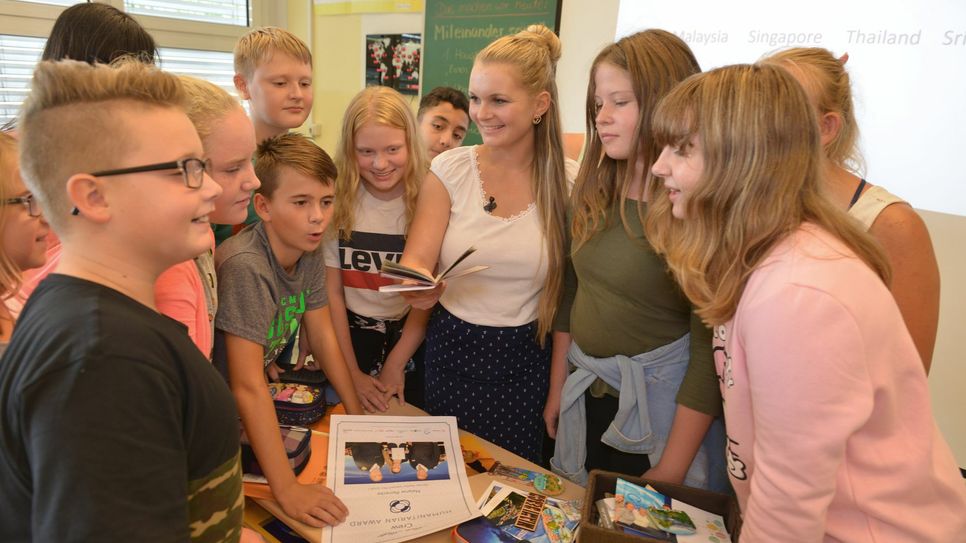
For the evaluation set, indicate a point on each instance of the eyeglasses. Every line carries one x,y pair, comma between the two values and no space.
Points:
192,169
33,207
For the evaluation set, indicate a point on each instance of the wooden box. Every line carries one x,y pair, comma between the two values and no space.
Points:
601,482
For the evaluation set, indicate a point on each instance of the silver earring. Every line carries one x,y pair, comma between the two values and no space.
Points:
537,119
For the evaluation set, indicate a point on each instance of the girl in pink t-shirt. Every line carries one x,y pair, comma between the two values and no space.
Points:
830,432
23,233
187,292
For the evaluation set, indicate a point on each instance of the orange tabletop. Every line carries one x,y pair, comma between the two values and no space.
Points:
472,445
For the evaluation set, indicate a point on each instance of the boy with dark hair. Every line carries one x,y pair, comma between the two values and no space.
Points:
271,281
443,118
115,427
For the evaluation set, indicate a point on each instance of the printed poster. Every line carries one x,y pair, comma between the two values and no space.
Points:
400,477
392,60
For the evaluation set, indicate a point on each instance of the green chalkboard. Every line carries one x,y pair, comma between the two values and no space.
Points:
455,30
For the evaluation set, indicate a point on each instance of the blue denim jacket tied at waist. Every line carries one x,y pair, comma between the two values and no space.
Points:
644,416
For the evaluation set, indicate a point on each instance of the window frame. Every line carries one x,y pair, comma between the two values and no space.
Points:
37,20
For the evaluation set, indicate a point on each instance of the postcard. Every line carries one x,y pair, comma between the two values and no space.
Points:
646,509
710,527
503,506
400,477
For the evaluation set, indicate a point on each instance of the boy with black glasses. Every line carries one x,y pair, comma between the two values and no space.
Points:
114,426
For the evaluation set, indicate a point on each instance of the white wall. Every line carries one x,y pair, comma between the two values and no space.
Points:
586,26
947,378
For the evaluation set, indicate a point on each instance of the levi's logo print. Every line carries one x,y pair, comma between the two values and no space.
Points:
362,257
722,360
286,323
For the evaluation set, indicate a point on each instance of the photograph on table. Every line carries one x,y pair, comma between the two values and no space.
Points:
508,516
375,462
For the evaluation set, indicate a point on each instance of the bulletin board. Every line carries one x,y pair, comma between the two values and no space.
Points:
455,30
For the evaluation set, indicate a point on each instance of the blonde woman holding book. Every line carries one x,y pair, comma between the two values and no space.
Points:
488,342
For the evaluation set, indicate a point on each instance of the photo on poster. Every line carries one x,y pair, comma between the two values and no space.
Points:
392,60
373,462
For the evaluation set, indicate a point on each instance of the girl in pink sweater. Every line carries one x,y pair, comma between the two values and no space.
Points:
830,432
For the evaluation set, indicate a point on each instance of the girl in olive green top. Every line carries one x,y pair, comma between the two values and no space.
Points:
642,358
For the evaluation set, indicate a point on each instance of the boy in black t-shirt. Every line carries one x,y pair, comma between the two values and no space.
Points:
114,426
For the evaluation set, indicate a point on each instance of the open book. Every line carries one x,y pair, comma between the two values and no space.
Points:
395,270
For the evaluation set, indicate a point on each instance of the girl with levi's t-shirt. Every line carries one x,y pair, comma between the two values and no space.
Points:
830,432
381,164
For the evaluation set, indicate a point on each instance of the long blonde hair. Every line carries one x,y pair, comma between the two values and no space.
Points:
533,53
827,83
10,273
655,60
762,179
383,106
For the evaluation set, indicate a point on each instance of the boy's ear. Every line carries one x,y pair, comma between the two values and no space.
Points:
261,207
86,194
241,85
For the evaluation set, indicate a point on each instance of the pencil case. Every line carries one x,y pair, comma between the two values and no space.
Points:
297,443
314,378
297,404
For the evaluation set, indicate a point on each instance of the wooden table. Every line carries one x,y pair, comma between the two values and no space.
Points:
478,483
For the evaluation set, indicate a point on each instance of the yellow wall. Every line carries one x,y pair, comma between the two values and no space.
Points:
338,48
338,72
338,42
296,17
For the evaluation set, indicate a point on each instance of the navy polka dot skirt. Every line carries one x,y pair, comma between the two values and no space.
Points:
494,380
